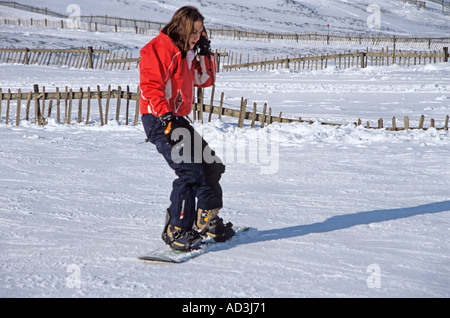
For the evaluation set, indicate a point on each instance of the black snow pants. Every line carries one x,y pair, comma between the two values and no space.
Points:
197,178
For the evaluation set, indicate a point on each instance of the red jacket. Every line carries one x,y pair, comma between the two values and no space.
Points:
166,82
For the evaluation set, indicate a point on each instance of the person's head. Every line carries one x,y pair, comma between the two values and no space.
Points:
185,28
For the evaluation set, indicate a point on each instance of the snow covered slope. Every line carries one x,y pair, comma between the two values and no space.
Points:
306,16
347,213
335,211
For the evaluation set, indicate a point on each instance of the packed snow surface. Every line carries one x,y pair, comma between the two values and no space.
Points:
334,211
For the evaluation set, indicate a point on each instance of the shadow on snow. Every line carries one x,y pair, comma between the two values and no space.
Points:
336,223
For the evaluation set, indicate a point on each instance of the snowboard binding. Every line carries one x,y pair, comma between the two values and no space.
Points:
210,224
180,239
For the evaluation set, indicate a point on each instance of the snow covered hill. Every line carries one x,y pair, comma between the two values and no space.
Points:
335,211
306,16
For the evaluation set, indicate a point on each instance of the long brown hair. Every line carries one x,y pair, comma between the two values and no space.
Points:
180,28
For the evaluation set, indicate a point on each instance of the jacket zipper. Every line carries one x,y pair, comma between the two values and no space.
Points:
178,101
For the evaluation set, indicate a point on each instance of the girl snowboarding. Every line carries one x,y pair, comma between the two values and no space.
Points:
171,65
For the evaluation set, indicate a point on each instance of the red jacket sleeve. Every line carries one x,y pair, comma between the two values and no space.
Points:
155,69
205,70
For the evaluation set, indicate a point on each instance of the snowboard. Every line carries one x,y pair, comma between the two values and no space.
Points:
168,255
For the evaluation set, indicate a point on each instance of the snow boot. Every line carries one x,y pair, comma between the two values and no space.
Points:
180,239
210,224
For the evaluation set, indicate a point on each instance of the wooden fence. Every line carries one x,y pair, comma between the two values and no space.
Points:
41,105
117,24
77,24
232,61
420,4
329,39
445,4
88,57
63,102
239,35
227,61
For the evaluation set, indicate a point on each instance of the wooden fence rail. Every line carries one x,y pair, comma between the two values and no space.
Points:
420,4
328,39
227,61
88,57
65,102
239,35
117,24
341,60
445,4
266,118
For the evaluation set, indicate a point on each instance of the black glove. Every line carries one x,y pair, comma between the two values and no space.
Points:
168,121
203,45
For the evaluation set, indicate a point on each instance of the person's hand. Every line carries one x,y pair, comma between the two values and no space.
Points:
168,121
204,44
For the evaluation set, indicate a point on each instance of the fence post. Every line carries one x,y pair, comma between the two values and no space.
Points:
242,112
211,109
90,54
221,105
69,111
27,59
380,123
19,102
119,96
80,105
27,108
445,49
37,112
8,103
363,60
263,116
99,100
200,96
58,105
217,59
422,119
254,115
43,107
127,111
